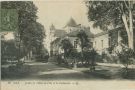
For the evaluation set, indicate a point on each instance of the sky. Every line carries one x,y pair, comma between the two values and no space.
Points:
58,13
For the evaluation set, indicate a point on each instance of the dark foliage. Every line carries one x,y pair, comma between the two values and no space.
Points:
30,33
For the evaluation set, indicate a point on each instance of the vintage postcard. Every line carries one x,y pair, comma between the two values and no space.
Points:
67,45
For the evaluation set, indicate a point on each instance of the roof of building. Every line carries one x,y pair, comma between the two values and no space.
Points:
52,27
87,31
71,23
101,33
59,33
106,32
56,41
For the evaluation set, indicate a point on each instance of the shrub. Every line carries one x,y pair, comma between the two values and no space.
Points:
75,55
110,58
98,58
126,57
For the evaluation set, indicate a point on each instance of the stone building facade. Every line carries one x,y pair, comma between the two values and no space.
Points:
101,42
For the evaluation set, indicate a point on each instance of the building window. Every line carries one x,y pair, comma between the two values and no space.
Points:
95,43
70,30
110,42
75,44
102,43
91,44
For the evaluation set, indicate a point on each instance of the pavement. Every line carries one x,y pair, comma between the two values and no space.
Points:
47,71
51,71
115,65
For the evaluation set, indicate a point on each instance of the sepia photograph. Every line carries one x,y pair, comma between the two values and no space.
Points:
67,40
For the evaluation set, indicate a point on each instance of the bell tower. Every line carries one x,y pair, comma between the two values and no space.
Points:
52,31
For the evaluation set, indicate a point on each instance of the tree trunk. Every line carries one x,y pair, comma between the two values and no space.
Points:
75,63
82,55
131,41
129,29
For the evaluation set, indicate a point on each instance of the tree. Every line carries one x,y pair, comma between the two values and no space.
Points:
126,56
10,51
34,36
42,54
92,55
84,41
30,33
67,46
75,56
26,13
115,13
